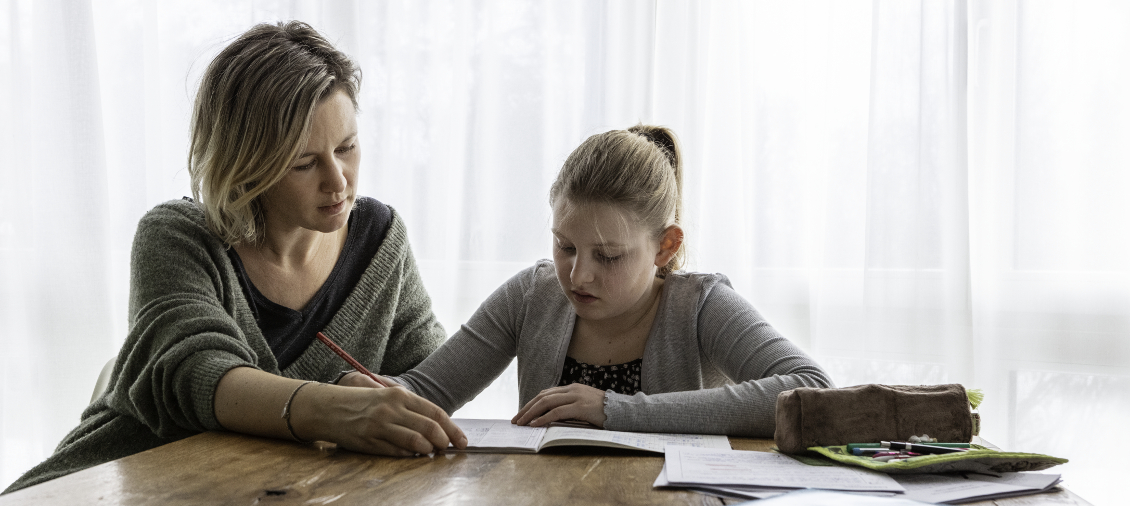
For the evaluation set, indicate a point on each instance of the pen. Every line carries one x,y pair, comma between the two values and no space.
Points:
920,448
852,447
353,362
896,454
886,458
871,451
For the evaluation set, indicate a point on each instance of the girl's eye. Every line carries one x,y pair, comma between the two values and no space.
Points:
346,149
566,249
307,166
608,259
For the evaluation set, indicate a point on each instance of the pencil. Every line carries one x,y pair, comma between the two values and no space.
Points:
352,361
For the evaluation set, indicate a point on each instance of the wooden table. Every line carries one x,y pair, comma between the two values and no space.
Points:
227,468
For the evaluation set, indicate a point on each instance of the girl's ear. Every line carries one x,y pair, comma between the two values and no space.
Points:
669,244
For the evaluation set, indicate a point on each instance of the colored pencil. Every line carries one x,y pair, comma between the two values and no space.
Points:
352,361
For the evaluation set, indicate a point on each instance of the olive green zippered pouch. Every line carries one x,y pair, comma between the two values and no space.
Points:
978,459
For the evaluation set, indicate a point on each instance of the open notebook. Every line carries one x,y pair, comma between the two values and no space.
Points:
501,436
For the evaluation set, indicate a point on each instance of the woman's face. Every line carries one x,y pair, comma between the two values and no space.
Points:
318,191
605,260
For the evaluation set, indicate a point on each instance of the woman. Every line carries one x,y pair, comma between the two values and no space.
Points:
227,294
611,332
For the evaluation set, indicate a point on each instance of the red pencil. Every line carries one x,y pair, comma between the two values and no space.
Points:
353,362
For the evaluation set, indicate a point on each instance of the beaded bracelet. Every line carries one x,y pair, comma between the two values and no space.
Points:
286,412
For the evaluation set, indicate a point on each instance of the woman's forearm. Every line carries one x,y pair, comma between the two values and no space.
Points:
251,401
385,421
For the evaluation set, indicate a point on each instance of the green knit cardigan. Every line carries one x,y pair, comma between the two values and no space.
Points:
190,324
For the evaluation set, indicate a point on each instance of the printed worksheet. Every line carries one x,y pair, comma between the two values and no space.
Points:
686,466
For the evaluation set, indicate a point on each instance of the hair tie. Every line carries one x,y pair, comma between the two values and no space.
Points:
663,142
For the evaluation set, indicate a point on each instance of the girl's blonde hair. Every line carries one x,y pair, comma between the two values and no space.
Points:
252,115
639,169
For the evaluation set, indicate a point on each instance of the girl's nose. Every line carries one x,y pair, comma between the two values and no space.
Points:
581,273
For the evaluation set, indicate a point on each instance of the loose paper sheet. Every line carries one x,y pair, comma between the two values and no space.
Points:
733,492
744,492
687,466
942,488
826,497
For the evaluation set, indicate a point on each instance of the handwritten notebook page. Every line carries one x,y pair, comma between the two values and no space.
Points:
502,436
486,435
569,436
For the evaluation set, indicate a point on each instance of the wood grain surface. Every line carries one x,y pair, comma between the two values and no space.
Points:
227,468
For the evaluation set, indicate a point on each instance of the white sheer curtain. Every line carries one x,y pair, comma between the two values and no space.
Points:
915,192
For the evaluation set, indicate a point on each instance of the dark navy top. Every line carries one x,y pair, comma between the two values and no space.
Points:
290,332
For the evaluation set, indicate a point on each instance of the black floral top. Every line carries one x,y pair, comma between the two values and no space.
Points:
619,378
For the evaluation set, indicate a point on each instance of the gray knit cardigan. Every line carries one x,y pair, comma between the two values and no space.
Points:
711,365
190,324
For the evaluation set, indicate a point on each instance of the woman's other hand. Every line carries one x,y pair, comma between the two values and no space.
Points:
573,402
357,379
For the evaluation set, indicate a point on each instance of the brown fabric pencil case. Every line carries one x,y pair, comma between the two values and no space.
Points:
871,413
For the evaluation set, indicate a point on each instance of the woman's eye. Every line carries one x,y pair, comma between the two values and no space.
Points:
566,249
307,166
346,149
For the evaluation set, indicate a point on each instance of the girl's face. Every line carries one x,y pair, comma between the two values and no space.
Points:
605,260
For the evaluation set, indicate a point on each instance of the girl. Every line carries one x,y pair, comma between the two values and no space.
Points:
227,294
610,331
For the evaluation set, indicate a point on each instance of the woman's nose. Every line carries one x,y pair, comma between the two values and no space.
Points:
334,180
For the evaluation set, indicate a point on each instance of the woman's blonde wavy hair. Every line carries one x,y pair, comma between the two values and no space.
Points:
639,169
252,115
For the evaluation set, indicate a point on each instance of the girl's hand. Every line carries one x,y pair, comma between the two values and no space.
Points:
382,421
573,402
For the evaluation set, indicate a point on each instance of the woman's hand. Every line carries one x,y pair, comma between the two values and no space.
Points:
382,421
573,402
357,379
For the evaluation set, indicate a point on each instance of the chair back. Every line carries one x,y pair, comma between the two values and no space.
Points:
103,382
